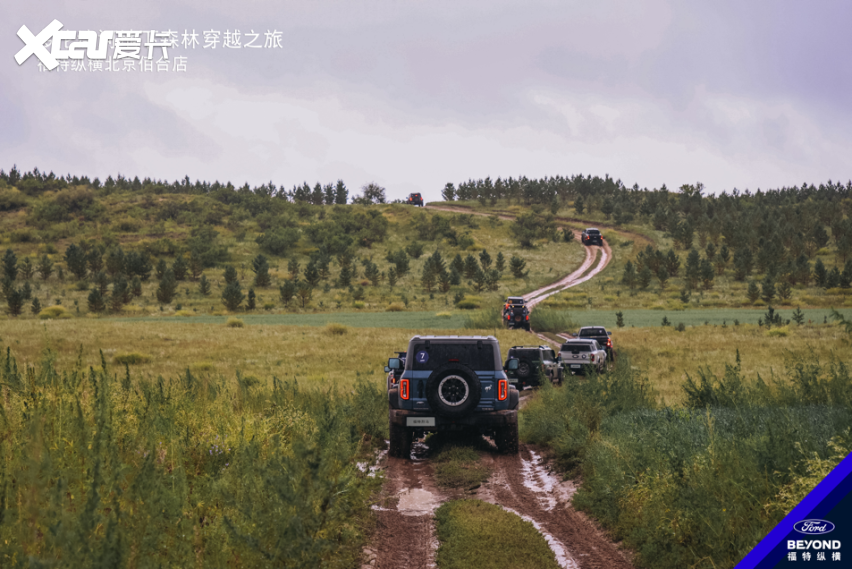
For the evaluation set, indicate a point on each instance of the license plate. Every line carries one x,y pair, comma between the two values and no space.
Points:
420,421
575,365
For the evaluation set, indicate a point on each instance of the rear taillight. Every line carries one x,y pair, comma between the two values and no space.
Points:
404,393
508,317
609,342
528,316
502,389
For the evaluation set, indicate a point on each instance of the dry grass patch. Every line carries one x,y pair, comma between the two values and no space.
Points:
335,329
234,323
131,358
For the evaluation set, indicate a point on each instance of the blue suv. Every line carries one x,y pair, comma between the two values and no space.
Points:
452,383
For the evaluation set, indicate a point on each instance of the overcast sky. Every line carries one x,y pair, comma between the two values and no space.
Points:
414,94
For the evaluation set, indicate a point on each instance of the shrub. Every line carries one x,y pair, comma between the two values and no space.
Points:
335,329
184,313
234,323
359,304
131,358
444,314
54,312
467,304
543,319
782,332
395,307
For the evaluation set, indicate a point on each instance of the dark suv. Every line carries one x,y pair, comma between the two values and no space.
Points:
516,314
534,364
452,383
414,199
591,236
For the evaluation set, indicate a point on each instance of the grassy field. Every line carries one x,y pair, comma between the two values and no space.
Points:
315,355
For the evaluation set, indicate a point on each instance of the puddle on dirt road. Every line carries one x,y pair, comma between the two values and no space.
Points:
416,502
563,558
547,487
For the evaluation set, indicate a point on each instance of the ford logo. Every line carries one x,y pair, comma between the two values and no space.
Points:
813,527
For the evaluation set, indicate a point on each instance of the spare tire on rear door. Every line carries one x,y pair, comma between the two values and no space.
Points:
453,390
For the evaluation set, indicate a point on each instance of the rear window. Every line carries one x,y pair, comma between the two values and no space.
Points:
578,347
592,332
516,301
525,354
593,232
436,355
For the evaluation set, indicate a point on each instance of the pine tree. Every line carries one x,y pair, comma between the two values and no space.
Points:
179,268
160,269
45,267
444,281
204,286
693,268
312,276
167,288
767,292
607,207
820,273
27,268
371,272
95,259
75,259
101,281
293,268
471,266
392,276
196,267
251,303
710,251
567,234
645,276
500,265
579,204
115,263
619,319
287,291
832,279
846,275
455,277
672,263
479,280
136,286
10,265
798,316
27,291
230,275
492,279
753,292
785,291
517,266
485,260
260,266
629,276
36,306
663,277
305,293
96,301
707,274
232,296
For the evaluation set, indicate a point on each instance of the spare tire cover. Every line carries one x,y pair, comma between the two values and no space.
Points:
453,390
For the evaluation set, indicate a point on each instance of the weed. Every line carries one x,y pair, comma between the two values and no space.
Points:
335,329
131,358
234,323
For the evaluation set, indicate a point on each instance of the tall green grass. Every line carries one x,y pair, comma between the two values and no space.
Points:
101,469
697,486
544,319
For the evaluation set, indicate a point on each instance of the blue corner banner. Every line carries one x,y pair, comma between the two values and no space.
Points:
812,535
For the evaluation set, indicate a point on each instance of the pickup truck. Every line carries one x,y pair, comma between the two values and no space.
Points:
580,356
603,338
591,236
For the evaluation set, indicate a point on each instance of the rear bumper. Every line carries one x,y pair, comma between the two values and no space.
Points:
488,420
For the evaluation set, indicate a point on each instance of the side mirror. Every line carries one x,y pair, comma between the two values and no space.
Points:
609,333
394,363
387,369
559,358
512,364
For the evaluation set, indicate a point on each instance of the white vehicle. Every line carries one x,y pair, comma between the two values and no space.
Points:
580,355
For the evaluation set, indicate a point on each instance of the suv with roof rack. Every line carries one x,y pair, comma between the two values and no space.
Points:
452,383
516,314
414,199
535,363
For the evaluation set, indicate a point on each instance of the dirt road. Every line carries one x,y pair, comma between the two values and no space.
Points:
522,484
405,532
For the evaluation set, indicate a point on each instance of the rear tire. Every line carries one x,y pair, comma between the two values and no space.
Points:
507,439
400,441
